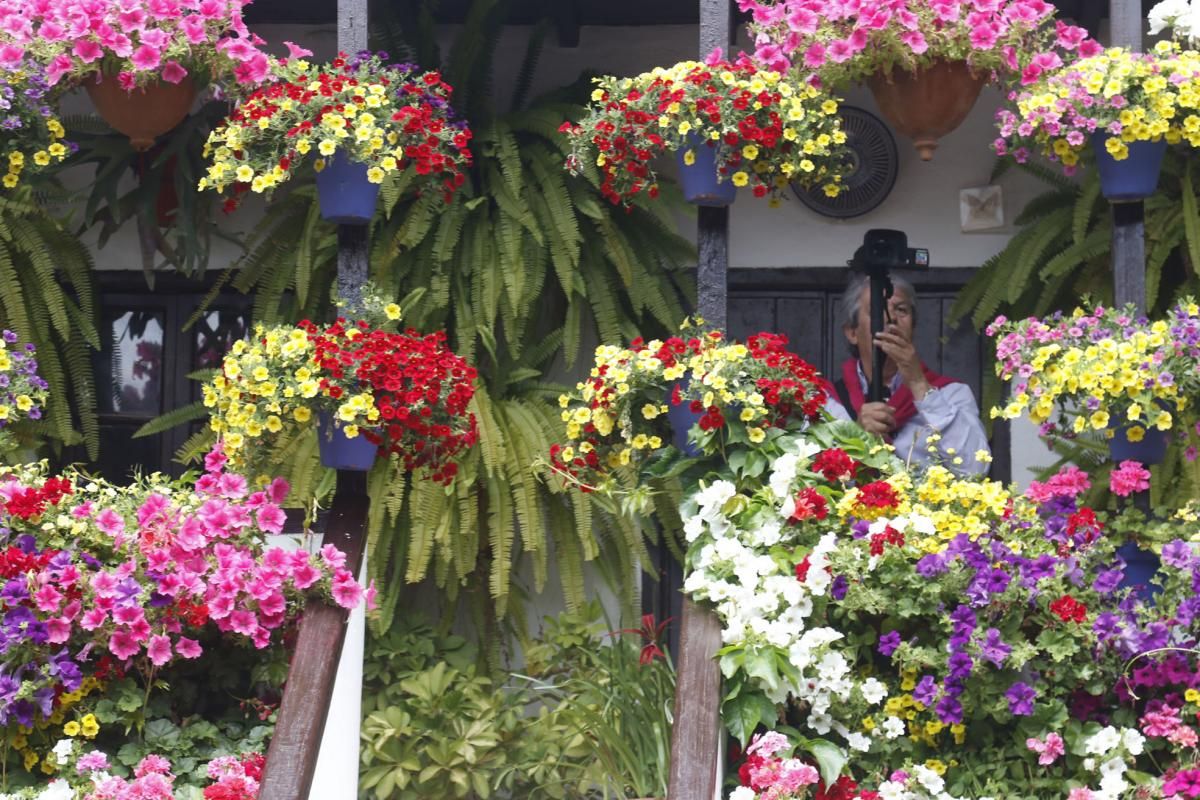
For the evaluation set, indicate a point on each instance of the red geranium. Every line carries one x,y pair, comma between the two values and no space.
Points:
835,464
810,504
1068,609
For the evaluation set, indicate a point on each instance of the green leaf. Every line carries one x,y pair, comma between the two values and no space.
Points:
830,758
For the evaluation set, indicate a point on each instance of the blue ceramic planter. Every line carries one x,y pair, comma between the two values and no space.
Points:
346,196
339,451
699,179
1133,178
1140,566
1152,449
682,418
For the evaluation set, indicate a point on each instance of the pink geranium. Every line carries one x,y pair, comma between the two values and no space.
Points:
1128,478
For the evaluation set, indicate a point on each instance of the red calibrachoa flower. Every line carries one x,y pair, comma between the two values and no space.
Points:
767,132
1068,609
387,117
420,388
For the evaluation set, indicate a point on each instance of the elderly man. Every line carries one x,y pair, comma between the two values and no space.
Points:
919,402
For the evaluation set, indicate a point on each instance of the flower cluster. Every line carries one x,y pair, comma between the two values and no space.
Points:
387,117
23,391
1181,16
1090,369
772,772
933,622
766,132
138,41
1120,96
839,41
720,392
405,392
100,580
31,135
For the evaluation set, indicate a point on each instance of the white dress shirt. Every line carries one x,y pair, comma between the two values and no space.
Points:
951,412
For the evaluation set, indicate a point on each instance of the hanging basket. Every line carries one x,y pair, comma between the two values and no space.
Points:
1134,177
927,104
346,196
145,113
699,180
1140,566
1152,448
339,451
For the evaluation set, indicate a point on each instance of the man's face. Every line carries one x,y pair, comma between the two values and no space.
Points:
900,307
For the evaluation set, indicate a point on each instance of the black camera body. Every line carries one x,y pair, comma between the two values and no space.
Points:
884,250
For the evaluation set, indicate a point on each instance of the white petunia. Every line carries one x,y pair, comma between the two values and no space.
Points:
858,741
62,751
742,793
873,691
932,782
1102,741
57,789
893,727
1134,741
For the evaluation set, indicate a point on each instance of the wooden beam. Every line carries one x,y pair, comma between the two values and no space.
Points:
352,25
1129,230
696,734
1127,23
292,757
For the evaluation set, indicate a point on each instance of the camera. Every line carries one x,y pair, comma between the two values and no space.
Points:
883,250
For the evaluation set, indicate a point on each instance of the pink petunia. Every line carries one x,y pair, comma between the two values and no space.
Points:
11,55
370,596
173,72
278,490
59,630
984,37
110,522
123,645
159,650
129,615
215,460
840,51
814,56
233,485
347,594
243,622
92,618
305,576
296,51
915,41
273,604
333,558
271,518
47,598
188,648
146,58
60,65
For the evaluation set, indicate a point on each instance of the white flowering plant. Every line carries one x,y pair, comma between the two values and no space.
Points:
956,639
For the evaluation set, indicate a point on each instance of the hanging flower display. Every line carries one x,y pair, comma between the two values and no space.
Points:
842,42
139,42
726,391
386,118
23,391
403,393
764,131
31,135
1124,97
1101,367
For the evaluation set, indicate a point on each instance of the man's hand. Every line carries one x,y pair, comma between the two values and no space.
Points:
877,418
899,348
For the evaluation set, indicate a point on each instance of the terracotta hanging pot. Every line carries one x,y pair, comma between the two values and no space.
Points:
143,114
928,104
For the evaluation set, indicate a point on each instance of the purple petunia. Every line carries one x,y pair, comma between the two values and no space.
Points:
1020,699
888,643
993,648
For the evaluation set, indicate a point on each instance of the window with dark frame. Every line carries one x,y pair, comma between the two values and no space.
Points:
142,369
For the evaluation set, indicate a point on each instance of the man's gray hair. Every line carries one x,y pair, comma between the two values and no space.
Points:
860,281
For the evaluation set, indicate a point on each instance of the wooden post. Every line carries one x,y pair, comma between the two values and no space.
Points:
292,757
1129,230
696,734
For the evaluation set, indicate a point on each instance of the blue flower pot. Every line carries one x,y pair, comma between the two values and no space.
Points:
1140,566
1152,449
1135,177
339,451
346,196
682,418
699,179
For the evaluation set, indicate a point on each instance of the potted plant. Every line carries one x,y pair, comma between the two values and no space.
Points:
23,392
925,62
1103,370
700,393
31,135
141,61
731,124
361,118
1127,106
367,390
141,588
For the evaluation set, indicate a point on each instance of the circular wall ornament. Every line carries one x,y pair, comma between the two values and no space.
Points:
874,165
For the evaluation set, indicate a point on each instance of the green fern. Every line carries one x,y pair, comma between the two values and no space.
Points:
47,296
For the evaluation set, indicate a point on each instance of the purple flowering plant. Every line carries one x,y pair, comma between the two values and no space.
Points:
23,391
31,135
